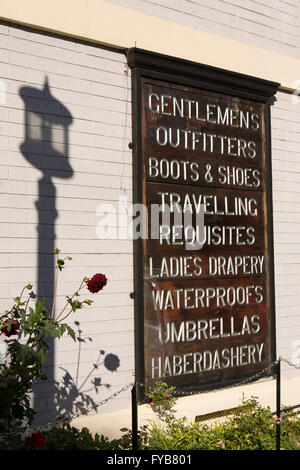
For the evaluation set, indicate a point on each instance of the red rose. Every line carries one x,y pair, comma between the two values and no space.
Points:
97,282
13,330
37,440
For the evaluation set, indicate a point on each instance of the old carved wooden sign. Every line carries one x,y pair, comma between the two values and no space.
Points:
204,265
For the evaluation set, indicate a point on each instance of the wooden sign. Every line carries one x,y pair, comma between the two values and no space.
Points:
204,274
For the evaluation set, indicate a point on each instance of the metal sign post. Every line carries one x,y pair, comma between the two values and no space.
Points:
278,399
134,417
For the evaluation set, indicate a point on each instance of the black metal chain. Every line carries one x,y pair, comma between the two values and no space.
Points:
288,362
185,393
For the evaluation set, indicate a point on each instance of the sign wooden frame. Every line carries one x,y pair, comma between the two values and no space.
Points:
156,80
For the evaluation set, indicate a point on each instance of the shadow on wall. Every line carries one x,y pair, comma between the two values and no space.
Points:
46,147
72,394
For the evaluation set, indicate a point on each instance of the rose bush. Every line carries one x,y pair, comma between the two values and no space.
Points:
36,440
11,327
26,328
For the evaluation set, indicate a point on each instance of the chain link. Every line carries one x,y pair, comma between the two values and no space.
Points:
288,362
237,384
61,420
176,393
103,402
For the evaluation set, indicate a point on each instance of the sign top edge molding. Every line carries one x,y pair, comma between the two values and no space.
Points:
232,81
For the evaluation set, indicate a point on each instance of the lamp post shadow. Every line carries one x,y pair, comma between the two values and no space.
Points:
46,147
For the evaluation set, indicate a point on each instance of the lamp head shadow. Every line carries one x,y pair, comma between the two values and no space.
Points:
47,122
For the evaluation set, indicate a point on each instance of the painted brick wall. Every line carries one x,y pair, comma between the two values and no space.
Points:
286,205
273,25
93,89
93,92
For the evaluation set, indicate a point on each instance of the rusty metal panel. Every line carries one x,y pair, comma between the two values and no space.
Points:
207,307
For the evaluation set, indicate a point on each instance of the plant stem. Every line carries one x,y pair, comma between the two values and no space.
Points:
15,305
65,316
55,289
67,303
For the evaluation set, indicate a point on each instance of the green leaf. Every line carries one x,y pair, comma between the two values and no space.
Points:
40,306
71,332
60,264
31,311
75,304
42,354
53,332
62,329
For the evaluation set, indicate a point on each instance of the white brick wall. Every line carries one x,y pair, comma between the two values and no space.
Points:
90,82
286,205
273,25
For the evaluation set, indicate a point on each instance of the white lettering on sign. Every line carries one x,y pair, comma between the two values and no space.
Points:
173,169
187,108
182,266
205,153
190,170
188,266
247,177
205,297
235,265
213,328
212,204
204,142
215,235
206,361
